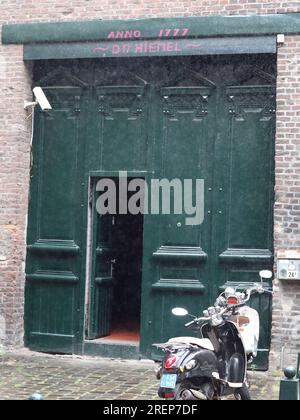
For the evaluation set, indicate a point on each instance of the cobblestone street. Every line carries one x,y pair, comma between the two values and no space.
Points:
79,378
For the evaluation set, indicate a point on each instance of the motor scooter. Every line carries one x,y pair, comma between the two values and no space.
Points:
214,366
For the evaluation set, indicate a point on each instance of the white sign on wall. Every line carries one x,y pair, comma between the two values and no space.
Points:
288,269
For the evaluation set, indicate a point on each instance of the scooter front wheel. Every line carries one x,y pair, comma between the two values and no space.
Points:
243,394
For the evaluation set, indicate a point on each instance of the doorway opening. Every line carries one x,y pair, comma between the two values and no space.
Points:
128,254
115,275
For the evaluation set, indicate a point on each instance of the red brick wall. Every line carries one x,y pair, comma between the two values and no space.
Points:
15,141
287,215
29,10
286,316
14,179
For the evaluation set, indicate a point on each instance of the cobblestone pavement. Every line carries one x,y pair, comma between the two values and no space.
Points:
80,378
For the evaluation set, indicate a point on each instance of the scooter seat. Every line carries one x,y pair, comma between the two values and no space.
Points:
203,343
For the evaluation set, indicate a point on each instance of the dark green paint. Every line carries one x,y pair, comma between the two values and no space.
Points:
102,281
290,384
130,48
236,255
169,253
112,351
51,277
208,118
54,241
56,246
289,390
203,26
243,189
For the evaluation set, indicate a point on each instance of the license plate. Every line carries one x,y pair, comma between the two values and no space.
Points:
168,381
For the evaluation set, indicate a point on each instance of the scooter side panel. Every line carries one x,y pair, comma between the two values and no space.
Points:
207,364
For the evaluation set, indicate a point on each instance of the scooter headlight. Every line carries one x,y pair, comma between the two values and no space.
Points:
191,364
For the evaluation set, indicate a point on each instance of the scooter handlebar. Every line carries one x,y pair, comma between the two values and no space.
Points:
197,321
257,289
189,324
204,319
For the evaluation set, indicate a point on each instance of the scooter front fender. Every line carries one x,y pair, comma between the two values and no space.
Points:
236,376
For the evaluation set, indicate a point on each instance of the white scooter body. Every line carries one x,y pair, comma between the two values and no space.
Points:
249,331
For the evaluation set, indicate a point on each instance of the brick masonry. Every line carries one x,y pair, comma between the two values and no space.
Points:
14,179
286,314
15,82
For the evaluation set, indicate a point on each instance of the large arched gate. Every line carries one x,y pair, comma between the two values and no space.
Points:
186,118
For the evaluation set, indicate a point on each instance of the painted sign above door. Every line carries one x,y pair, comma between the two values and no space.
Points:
162,33
153,28
126,44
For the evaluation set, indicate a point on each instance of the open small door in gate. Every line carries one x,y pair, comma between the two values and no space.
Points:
115,274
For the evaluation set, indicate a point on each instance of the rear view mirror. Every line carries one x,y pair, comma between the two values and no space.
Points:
266,274
179,312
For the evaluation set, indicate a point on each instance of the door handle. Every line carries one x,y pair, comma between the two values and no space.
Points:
112,266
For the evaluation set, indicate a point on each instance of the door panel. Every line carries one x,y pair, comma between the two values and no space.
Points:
122,127
244,195
102,281
185,116
55,221
53,269
250,166
186,139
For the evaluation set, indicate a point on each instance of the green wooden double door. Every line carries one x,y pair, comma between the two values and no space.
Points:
203,118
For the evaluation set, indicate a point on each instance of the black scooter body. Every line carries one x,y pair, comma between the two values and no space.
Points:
207,364
230,351
227,362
